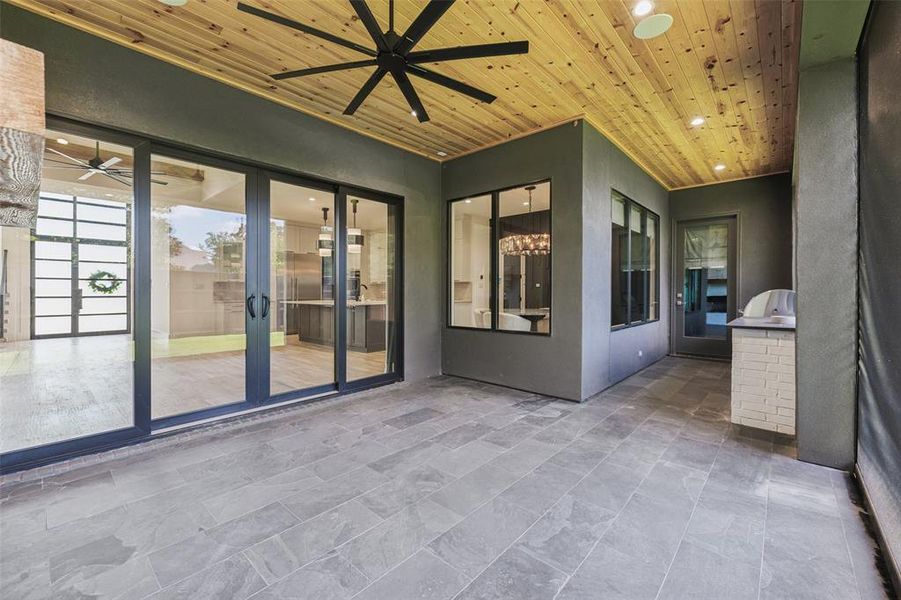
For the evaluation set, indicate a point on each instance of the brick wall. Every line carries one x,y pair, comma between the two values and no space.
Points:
763,379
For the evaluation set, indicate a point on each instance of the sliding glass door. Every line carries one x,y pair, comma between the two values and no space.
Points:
199,289
299,307
372,287
157,287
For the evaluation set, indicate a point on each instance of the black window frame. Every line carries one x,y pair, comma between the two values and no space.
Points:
493,296
628,204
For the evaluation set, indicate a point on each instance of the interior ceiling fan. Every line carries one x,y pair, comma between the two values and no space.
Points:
98,166
394,53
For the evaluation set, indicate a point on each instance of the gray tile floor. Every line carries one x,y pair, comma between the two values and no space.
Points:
449,489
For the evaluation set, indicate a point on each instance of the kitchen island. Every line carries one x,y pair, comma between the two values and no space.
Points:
365,323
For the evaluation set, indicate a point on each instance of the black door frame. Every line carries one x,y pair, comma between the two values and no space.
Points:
256,175
706,347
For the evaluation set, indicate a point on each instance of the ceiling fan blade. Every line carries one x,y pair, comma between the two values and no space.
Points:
403,82
421,24
325,69
372,26
90,173
110,162
453,84
304,28
66,156
367,88
477,51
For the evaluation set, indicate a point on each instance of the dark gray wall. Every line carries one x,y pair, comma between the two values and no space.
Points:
764,209
99,82
826,263
609,356
545,364
879,402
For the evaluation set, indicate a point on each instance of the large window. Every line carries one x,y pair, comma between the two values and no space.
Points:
634,285
505,237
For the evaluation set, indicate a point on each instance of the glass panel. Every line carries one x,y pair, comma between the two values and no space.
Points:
619,269
87,212
198,255
524,259
101,305
88,292
52,287
637,274
52,306
370,288
706,253
52,325
95,271
57,250
53,268
653,291
52,208
302,313
101,232
54,227
64,387
93,324
102,253
471,262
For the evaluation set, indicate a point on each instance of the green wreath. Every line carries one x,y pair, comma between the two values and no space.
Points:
95,282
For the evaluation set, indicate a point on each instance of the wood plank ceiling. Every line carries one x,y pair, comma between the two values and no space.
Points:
732,62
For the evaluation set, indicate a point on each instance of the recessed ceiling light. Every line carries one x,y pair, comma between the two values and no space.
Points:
62,141
697,121
174,2
719,167
642,8
413,113
312,199
651,27
468,201
441,153
526,203
108,195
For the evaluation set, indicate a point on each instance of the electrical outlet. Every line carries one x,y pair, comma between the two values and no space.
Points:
640,353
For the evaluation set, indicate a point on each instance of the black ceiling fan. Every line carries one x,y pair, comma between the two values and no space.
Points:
394,53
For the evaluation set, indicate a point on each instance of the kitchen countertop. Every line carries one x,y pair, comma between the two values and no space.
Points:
332,302
760,323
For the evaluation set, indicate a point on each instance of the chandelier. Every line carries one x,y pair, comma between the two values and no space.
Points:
526,244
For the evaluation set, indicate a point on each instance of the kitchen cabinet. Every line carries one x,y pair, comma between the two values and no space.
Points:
365,325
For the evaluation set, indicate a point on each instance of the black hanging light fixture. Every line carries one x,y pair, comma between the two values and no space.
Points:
526,244
354,235
325,243
394,53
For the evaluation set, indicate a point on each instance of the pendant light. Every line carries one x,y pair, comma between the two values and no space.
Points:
325,243
526,244
354,235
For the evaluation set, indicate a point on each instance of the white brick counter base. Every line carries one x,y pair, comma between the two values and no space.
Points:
763,379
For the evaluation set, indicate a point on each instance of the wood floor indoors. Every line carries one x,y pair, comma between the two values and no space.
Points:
84,385
448,488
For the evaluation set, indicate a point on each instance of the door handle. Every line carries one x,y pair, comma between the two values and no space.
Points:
265,306
250,301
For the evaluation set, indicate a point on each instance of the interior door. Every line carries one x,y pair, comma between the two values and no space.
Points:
705,287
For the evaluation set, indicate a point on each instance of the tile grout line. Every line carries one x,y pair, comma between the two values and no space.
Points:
688,522
426,544
598,541
300,522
